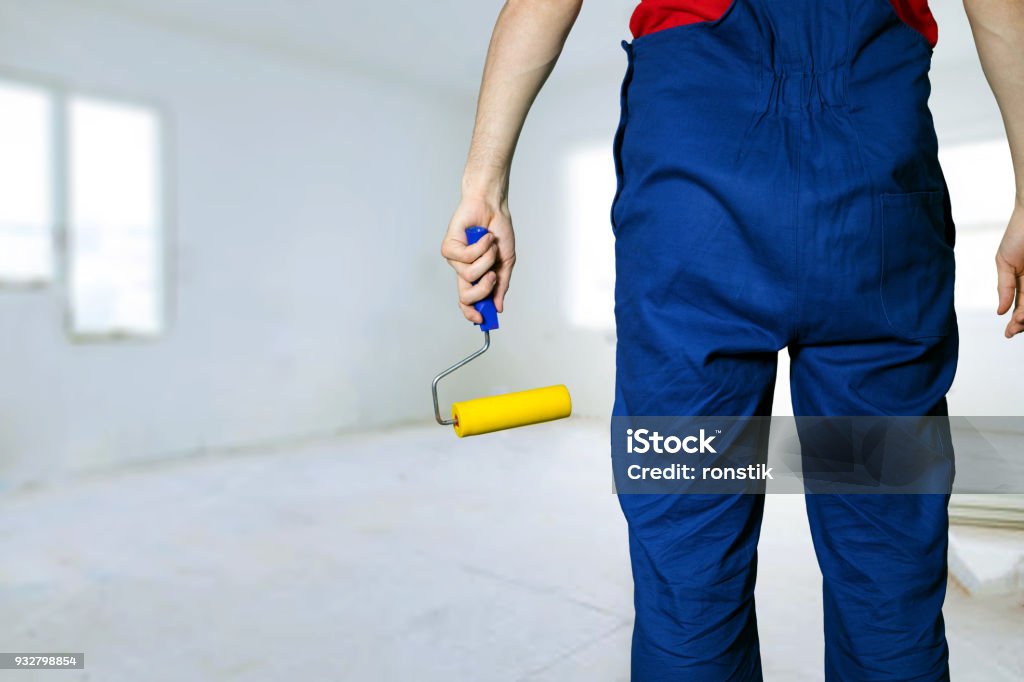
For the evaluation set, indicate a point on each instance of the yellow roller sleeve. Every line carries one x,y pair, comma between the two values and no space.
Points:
483,415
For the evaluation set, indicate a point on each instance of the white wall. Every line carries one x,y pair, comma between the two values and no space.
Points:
309,204
308,207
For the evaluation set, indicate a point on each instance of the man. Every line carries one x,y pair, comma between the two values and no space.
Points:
778,186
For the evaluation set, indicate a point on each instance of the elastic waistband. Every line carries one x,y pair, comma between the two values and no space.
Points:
794,90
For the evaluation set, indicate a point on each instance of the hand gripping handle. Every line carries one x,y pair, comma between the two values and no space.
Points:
486,306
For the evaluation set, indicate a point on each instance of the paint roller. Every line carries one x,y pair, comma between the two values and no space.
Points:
498,412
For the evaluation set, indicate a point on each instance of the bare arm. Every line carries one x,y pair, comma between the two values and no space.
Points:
998,27
527,41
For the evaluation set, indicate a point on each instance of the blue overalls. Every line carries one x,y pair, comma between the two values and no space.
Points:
779,186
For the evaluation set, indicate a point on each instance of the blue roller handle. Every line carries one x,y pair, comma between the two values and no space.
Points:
486,306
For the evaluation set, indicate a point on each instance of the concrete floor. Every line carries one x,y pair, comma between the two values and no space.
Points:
406,555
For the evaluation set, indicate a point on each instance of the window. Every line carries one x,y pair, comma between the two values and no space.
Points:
103,179
114,219
26,184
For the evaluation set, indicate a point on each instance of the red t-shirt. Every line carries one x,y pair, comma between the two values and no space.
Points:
657,15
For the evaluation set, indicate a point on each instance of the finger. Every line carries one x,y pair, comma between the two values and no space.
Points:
470,313
479,267
471,293
504,274
1007,285
455,251
1016,324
